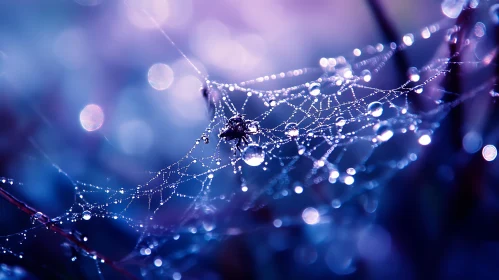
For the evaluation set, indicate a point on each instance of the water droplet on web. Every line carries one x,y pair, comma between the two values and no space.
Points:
314,89
494,13
253,127
291,130
419,90
413,74
383,131
340,121
301,149
253,155
273,103
375,109
86,215
366,75
494,93
36,217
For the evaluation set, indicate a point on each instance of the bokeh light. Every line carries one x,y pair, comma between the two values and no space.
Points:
160,76
489,152
147,14
310,216
91,117
472,142
135,137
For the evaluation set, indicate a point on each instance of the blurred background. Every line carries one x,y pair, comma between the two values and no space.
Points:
92,87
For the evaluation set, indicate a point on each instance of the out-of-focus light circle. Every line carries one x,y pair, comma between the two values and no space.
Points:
310,216
158,262
424,139
298,189
135,137
489,152
147,14
374,243
452,8
305,255
71,48
479,29
349,180
88,2
160,76
472,142
176,276
277,223
408,39
91,117
340,257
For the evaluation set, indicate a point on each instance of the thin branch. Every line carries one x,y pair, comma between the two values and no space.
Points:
62,232
390,33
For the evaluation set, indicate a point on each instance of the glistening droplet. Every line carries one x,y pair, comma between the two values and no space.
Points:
375,109
253,155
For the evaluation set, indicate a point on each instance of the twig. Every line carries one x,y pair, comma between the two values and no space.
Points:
390,33
57,229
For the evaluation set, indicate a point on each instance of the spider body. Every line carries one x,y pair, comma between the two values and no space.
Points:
237,127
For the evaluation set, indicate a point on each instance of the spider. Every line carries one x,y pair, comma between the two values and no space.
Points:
238,128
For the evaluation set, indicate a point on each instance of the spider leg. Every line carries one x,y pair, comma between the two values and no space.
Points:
238,145
245,140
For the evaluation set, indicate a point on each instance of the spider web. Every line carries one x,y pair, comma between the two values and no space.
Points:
333,130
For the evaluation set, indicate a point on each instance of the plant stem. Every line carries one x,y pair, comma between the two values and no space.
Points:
62,232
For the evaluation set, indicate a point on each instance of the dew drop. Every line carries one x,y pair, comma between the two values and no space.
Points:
291,130
375,109
301,149
314,89
253,155
340,121
86,215
383,131
272,103
366,75
253,127
36,217
413,74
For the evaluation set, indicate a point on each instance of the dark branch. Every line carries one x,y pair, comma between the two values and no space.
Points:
62,232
